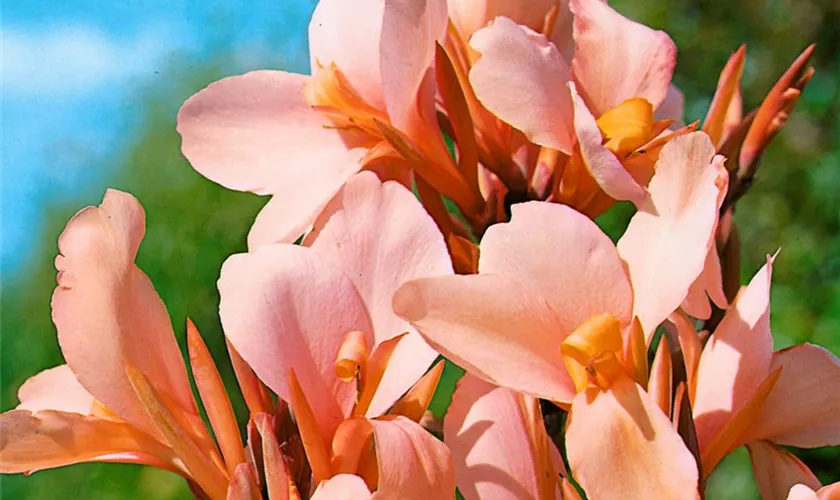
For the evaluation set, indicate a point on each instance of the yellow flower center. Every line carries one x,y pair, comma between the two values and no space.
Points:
593,353
627,126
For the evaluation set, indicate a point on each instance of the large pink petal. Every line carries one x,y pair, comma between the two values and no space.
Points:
348,34
521,78
488,433
469,16
619,440
410,30
599,161
562,256
107,312
666,244
736,359
55,389
777,471
709,285
803,407
283,307
494,327
616,59
672,107
255,132
48,439
342,487
381,237
413,464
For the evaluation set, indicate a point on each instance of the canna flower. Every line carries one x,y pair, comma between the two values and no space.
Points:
595,116
369,103
803,492
315,324
572,323
743,393
123,395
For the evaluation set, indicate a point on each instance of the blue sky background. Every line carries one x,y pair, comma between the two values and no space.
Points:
68,73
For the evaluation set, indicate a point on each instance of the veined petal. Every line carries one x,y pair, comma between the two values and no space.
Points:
492,326
48,439
619,439
380,237
488,433
283,307
562,256
802,408
616,58
410,29
735,360
55,389
776,470
667,241
342,487
521,78
348,34
107,312
412,463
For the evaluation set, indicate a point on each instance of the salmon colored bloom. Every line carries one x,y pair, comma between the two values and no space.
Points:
571,321
743,393
803,492
123,395
370,98
315,323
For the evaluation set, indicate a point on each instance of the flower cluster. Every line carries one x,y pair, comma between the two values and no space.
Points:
433,186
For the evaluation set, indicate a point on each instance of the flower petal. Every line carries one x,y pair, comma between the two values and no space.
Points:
599,161
413,464
616,58
410,29
488,433
342,487
632,441
802,408
107,312
381,237
672,107
55,389
521,78
469,16
666,242
777,471
348,35
282,308
255,132
48,439
736,359
562,256
492,326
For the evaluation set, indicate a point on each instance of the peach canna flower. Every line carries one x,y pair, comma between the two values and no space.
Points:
123,395
619,74
743,393
572,329
370,98
315,324
803,492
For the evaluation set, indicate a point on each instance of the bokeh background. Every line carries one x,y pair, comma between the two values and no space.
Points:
89,96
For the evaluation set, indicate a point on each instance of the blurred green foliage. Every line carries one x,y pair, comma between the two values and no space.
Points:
194,224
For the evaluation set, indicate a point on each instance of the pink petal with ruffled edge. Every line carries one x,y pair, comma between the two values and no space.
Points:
469,16
562,256
493,327
632,441
616,58
736,359
108,314
342,487
803,407
255,132
284,307
488,433
381,237
55,389
413,464
521,78
777,471
667,241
